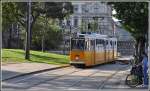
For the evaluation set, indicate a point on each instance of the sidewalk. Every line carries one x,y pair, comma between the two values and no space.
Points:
13,70
124,59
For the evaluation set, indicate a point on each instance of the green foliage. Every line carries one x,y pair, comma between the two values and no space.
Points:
134,16
83,27
55,10
50,31
15,56
94,26
91,26
8,12
16,12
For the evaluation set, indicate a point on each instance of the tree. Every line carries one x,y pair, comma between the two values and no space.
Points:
8,21
46,36
134,18
17,12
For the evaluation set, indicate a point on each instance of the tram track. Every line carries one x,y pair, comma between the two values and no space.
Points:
101,86
26,77
56,77
84,78
41,74
50,77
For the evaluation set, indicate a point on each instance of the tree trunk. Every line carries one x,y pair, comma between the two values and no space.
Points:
140,48
10,37
43,43
9,40
137,49
27,49
18,37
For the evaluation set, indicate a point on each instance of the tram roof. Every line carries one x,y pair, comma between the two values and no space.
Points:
94,35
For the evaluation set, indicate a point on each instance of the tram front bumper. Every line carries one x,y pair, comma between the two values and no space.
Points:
77,62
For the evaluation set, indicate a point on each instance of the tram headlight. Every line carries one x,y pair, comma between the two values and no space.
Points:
77,57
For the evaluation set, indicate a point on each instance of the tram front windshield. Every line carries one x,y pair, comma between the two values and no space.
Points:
78,43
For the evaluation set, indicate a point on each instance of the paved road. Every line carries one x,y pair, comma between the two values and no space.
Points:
100,77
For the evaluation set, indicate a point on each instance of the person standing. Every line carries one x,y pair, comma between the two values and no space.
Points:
145,69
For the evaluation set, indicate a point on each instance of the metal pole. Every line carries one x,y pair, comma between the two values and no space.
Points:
114,31
18,36
149,40
64,40
28,32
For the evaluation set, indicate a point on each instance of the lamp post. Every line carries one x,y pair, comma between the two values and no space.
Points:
70,27
149,40
70,35
64,11
63,33
45,28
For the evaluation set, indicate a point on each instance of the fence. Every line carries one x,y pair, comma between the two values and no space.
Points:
126,48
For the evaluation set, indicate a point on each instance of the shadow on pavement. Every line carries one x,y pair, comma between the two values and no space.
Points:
7,74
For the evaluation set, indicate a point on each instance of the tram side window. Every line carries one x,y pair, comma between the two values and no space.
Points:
86,45
77,44
111,43
106,42
103,42
114,43
99,41
89,45
92,45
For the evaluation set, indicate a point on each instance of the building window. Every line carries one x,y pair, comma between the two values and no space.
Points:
75,22
68,22
96,7
75,8
85,9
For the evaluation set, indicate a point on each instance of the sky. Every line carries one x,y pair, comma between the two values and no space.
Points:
115,19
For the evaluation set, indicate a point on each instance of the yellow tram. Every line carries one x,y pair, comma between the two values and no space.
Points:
92,49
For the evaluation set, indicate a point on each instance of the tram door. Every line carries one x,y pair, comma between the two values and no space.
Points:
111,52
115,49
113,42
107,51
93,51
90,52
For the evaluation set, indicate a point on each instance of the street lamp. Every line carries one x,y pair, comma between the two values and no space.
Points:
70,27
45,28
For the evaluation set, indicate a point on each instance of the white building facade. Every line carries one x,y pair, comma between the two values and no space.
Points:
86,13
90,14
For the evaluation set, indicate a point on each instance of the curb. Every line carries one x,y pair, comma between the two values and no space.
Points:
35,72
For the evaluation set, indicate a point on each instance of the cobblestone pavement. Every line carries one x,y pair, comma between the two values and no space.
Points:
107,76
